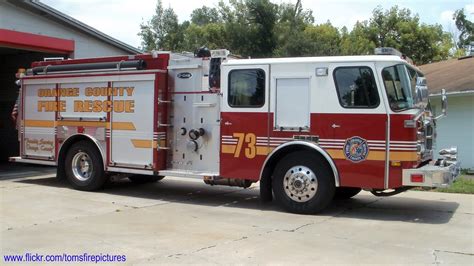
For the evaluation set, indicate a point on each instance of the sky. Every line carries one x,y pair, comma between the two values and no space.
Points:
121,18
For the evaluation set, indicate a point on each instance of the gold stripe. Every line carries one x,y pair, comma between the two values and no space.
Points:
335,154
123,126
162,143
339,154
39,123
403,156
378,155
49,123
263,150
143,143
228,148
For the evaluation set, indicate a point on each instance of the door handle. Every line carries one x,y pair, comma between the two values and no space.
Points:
335,126
227,123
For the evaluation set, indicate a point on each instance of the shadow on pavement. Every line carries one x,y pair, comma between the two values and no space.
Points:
10,170
403,209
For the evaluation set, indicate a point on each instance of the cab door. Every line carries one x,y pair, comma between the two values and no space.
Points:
359,125
244,120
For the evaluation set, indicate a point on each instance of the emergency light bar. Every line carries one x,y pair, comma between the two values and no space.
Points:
220,53
392,51
387,51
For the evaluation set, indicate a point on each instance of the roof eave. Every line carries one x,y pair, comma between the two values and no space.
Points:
37,5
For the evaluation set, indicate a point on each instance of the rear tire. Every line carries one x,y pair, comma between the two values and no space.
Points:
303,183
84,167
343,193
142,179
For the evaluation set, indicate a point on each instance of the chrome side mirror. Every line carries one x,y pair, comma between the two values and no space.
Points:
444,104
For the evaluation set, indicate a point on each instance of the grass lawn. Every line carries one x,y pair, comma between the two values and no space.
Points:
463,184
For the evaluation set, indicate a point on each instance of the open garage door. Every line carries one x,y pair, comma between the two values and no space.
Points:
10,61
19,50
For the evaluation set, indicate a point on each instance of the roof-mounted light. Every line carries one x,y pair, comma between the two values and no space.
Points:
220,53
387,51
392,51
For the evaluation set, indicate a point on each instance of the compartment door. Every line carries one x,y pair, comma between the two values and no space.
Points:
132,136
292,104
39,109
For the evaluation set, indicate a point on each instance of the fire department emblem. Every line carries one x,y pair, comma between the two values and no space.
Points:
356,149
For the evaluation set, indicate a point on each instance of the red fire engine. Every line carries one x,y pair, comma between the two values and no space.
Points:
309,129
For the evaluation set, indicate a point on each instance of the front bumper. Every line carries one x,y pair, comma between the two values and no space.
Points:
433,175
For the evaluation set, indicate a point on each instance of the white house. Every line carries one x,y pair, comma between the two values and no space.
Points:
457,128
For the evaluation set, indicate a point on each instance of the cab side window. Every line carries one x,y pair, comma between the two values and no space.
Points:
356,87
246,88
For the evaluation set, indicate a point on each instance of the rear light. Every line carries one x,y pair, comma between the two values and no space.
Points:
416,178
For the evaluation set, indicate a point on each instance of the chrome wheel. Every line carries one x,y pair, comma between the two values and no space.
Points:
300,183
82,166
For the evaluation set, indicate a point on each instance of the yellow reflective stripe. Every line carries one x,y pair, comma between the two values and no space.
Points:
403,156
50,123
143,143
378,155
162,143
39,123
338,153
122,126
228,148
263,150
147,144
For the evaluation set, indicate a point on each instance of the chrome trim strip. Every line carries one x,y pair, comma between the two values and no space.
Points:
32,161
129,171
186,173
387,153
383,94
310,145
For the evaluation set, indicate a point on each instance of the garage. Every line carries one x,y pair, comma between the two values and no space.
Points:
32,31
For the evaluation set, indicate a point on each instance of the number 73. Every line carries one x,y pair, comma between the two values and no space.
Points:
250,141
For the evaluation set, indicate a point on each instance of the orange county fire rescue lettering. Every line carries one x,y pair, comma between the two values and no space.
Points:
96,106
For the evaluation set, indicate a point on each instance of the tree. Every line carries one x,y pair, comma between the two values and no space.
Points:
357,42
289,30
205,15
398,28
259,28
249,26
465,27
162,32
211,35
262,15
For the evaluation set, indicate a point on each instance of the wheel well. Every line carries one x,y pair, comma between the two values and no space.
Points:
272,161
65,148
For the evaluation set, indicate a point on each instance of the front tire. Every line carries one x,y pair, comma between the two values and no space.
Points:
84,167
303,183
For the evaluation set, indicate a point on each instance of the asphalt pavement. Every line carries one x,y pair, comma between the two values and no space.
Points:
184,221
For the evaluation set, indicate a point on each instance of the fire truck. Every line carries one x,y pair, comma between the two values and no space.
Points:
308,129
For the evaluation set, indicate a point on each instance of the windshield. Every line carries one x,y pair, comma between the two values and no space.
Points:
398,87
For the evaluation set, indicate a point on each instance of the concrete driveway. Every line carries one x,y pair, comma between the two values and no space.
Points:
182,221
